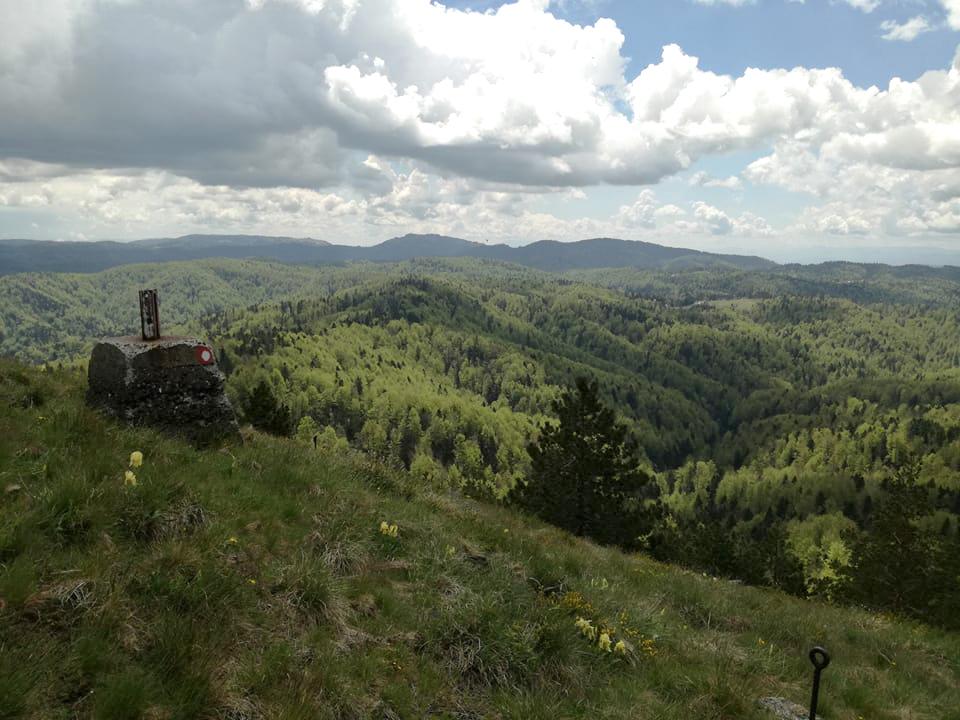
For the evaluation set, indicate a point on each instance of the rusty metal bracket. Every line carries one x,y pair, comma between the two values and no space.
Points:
149,314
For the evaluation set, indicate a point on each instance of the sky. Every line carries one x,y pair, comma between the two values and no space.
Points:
775,127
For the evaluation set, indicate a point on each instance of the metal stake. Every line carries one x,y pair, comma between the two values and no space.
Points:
820,659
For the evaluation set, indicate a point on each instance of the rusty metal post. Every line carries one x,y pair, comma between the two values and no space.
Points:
149,315
820,659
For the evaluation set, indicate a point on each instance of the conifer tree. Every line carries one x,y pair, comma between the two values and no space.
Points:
264,412
585,475
901,565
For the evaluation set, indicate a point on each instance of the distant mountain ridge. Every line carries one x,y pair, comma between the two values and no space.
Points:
18,256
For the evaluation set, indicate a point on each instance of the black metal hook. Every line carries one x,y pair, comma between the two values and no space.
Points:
820,659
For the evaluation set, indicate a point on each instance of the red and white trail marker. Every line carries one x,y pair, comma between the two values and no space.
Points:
205,355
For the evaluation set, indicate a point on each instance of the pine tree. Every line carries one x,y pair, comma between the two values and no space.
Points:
225,362
264,412
900,565
585,475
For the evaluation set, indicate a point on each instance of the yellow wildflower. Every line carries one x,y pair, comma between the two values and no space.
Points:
232,540
389,530
384,528
252,581
620,648
586,628
129,479
604,642
136,459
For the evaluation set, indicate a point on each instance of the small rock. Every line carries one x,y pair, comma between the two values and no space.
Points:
365,605
785,709
12,488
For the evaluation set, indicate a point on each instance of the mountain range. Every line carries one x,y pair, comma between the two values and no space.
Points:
17,256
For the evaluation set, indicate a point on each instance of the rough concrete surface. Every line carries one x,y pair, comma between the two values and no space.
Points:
172,384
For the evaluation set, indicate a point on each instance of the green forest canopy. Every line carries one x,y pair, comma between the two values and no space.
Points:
785,397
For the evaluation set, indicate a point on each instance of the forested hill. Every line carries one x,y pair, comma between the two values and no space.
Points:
257,582
17,256
20,256
57,316
791,414
777,427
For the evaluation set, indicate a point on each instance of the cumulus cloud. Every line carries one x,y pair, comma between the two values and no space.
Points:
906,31
265,107
858,197
151,203
952,8
735,3
276,92
704,179
865,5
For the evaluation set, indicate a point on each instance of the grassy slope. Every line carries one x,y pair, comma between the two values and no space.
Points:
253,582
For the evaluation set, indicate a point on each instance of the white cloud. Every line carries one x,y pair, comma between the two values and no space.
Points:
952,8
906,31
152,203
281,92
866,6
703,179
858,197
717,221
291,112
641,213
735,3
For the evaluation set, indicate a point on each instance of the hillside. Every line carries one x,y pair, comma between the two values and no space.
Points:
254,582
786,418
772,427
22,256
862,283
48,317
27,256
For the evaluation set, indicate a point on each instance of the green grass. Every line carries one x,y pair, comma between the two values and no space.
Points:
253,582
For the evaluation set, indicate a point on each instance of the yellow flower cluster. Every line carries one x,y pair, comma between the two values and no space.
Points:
586,628
389,530
130,477
604,643
575,601
603,637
